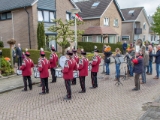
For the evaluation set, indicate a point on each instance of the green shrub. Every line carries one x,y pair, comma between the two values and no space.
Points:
6,68
89,46
1,44
6,52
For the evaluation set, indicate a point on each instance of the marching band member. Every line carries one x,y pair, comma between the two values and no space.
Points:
83,70
26,71
53,63
137,69
95,68
76,58
43,67
68,73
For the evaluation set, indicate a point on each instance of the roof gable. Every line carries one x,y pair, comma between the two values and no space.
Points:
88,11
131,16
47,4
7,5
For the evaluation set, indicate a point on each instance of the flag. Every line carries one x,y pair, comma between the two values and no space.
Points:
78,17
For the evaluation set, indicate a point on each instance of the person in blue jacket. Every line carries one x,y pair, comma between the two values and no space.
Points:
124,47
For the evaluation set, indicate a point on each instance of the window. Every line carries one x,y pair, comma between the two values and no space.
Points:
5,16
99,40
68,16
144,25
85,39
51,16
89,39
131,12
111,38
106,21
144,37
115,23
126,37
95,4
46,16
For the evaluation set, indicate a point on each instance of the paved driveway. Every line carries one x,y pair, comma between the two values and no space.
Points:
107,102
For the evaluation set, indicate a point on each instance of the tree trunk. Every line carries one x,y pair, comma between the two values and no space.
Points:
63,50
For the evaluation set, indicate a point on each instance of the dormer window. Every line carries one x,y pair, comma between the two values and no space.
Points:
95,4
131,12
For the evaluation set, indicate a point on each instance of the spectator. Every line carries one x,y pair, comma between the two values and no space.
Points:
19,54
145,64
149,72
103,51
107,54
137,69
157,61
124,47
14,55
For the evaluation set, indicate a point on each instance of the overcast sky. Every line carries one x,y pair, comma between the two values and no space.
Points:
150,5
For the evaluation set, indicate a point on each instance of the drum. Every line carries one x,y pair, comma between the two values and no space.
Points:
62,61
75,74
89,67
59,73
19,72
36,72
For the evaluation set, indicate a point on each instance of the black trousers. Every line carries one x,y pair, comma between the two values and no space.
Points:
53,73
25,78
137,81
82,83
19,61
74,81
45,88
94,79
68,87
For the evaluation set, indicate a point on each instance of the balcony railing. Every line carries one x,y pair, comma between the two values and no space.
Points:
138,31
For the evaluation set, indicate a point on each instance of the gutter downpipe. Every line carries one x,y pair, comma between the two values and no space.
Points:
133,32
28,27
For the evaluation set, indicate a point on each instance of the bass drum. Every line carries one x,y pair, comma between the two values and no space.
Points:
62,61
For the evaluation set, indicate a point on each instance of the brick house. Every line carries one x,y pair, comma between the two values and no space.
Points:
102,21
136,24
14,16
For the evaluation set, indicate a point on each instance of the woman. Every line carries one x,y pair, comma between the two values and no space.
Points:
107,53
117,62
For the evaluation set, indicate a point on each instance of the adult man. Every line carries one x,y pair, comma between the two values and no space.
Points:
157,61
83,70
26,71
76,58
95,68
53,63
124,47
68,74
43,67
137,69
19,54
130,56
149,72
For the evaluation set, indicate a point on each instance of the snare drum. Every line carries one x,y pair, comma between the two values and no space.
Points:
59,73
89,67
19,72
36,74
75,74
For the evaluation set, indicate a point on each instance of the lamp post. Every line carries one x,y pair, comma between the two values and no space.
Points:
74,11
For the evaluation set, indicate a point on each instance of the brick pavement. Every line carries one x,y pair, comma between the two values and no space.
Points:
107,102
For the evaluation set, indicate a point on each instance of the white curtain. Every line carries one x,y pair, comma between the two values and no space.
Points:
40,16
46,16
51,16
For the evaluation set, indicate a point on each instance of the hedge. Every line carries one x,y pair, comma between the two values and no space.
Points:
89,46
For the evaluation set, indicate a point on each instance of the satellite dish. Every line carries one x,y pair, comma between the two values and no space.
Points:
62,61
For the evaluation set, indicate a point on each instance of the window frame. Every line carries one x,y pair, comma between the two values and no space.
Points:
6,17
49,11
125,36
115,24
68,13
104,21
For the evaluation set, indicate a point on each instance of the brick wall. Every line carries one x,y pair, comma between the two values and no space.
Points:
20,23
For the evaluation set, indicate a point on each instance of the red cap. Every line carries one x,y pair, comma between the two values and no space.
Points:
27,54
42,53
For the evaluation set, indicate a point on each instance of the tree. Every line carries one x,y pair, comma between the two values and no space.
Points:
65,34
41,35
156,23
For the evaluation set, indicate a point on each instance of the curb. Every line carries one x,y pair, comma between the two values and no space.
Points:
10,76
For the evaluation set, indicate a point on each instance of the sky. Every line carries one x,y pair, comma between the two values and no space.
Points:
149,5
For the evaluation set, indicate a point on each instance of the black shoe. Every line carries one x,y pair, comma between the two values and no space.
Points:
81,91
42,93
30,88
67,98
47,92
135,89
24,90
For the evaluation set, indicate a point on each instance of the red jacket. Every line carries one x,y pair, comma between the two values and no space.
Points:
43,67
53,60
95,63
26,67
83,67
75,67
76,58
68,70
